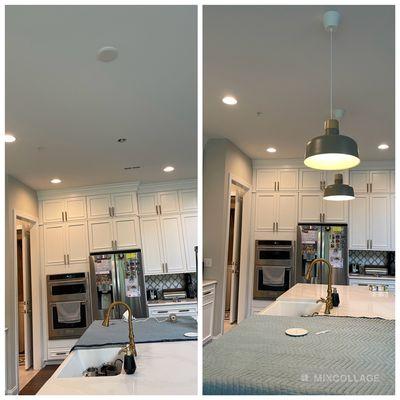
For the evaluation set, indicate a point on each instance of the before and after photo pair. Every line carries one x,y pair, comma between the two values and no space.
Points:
199,199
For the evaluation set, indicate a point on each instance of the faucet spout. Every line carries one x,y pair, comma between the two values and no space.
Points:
106,323
328,301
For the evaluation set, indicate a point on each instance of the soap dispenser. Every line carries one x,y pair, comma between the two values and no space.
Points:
129,363
335,297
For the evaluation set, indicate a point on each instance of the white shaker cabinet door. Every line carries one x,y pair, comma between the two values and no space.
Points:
359,222
380,181
310,207
100,235
208,316
310,179
287,179
126,233
98,206
286,211
380,221
265,179
53,210
189,225
124,203
174,254
54,244
335,211
265,212
148,203
188,200
77,242
168,202
151,245
75,208
392,222
359,180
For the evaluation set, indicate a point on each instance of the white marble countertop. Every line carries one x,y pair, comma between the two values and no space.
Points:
355,301
168,368
207,282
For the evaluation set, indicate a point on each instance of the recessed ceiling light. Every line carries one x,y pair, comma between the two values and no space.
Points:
8,138
122,140
56,180
169,168
271,150
383,146
229,100
107,54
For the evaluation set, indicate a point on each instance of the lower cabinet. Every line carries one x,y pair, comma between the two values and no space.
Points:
390,283
179,309
208,311
59,349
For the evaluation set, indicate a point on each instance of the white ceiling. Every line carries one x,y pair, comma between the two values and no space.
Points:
67,109
275,59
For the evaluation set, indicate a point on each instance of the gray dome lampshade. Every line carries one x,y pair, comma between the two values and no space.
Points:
332,151
338,191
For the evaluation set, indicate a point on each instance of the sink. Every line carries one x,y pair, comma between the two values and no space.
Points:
292,308
79,360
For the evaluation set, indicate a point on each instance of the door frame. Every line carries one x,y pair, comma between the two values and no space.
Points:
244,248
35,287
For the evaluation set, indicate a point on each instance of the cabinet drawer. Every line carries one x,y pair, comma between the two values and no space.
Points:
208,293
182,309
58,353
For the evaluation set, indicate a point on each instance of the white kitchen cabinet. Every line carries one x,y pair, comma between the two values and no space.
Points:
265,211
189,226
152,245
124,204
112,205
379,232
100,234
390,283
392,222
276,211
208,311
188,200
310,179
359,222
310,207
168,202
61,210
359,180
77,248
335,211
174,254
54,244
380,181
277,179
164,310
126,233
148,203
99,206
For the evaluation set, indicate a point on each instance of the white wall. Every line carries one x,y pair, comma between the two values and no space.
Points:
221,157
22,198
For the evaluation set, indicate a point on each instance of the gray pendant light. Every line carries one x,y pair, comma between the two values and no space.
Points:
338,191
331,151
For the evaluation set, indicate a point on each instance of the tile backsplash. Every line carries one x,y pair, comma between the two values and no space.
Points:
364,257
170,281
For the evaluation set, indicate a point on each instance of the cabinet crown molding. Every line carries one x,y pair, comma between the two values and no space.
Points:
169,185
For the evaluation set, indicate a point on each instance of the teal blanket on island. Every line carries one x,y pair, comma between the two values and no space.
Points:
356,357
149,330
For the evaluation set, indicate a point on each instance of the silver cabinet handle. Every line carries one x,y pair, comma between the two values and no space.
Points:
65,260
159,207
166,267
68,259
66,216
320,185
62,215
278,186
277,227
273,227
206,293
370,241
370,187
367,187
275,186
324,185
113,211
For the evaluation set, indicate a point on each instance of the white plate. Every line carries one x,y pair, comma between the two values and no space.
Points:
190,334
296,332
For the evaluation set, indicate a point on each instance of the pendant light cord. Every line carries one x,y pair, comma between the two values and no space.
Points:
331,30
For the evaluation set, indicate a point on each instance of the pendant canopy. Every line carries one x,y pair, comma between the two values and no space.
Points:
338,191
332,151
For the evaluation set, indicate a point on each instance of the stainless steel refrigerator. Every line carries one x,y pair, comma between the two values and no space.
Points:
322,241
117,275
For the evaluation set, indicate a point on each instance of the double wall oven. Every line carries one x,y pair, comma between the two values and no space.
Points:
69,306
273,269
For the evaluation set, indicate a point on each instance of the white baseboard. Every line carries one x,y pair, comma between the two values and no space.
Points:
13,391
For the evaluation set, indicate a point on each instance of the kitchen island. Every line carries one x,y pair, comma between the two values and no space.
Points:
166,362
349,352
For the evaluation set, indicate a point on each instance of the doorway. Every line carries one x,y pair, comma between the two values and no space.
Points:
25,329
233,259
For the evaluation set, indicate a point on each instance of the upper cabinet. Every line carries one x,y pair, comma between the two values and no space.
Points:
392,182
167,202
371,181
277,179
315,180
62,210
112,205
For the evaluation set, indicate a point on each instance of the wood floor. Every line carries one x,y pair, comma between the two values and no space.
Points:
34,385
